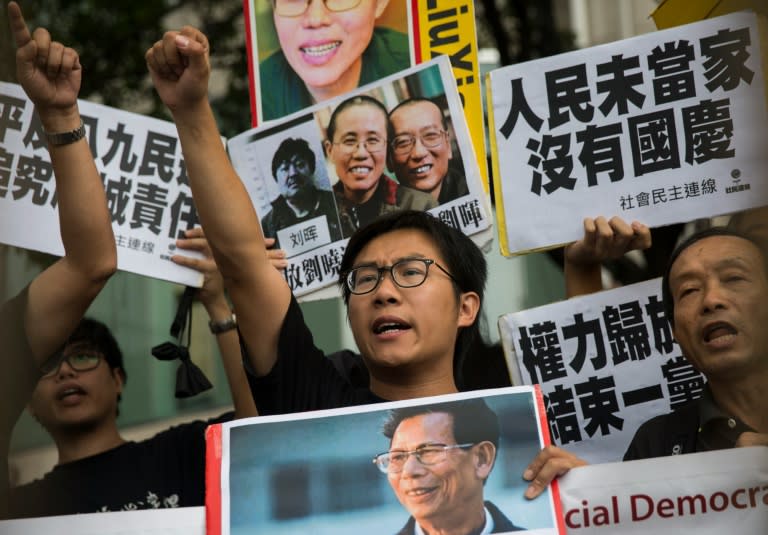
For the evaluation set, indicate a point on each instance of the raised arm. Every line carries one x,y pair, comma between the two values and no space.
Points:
180,67
50,74
603,240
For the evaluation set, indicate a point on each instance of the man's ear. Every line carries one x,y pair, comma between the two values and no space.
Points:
119,376
485,457
469,307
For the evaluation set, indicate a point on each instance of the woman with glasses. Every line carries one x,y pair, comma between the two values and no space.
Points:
327,48
356,146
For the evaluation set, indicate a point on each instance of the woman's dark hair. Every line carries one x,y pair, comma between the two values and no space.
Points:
359,100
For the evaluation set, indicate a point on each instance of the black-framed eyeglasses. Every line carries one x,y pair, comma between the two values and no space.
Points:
392,462
82,361
372,144
406,273
404,143
296,8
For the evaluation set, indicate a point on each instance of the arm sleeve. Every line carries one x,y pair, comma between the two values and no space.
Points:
302,379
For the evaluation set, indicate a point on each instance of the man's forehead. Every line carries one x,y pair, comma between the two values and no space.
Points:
424,428
398,244
416,114
295,159
715,252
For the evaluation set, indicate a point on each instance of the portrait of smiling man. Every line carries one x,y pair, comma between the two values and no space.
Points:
293,168
439,459
420,151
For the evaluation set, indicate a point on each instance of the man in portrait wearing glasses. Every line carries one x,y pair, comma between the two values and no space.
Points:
293,168
439,459
420,151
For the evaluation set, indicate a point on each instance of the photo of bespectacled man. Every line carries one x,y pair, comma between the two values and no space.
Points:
408,468
439,458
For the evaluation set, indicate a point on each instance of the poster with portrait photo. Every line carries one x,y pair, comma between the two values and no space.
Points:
431,168
283,169
303,53
457,458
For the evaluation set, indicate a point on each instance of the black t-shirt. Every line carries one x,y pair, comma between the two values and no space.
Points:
303,378
17,380
165,471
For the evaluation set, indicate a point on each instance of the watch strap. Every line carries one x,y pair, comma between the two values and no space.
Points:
65,138
218,327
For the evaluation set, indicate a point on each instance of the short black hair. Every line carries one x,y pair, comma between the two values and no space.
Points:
289,148
410,102
359,100
464,261
93,334
666,290
473,420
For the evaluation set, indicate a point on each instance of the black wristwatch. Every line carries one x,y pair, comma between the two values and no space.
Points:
65,138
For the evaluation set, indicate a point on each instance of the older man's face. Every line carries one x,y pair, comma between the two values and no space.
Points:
720,291
443,489
424,165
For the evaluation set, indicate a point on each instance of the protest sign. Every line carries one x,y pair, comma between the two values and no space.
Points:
179,521
294,61
662,128
332,471
292,161
704,493
142,169
606,362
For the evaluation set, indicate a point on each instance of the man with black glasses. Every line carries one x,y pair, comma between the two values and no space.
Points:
420,151
35,323
439,459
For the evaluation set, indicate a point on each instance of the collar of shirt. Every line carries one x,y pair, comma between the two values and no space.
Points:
717,430
486,530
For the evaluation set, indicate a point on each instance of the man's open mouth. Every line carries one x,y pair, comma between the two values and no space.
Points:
718,330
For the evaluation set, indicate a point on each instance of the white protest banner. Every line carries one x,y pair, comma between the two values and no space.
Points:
333,471
606,362
142,169
662,128
292,64
180,521
709,493
292,160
